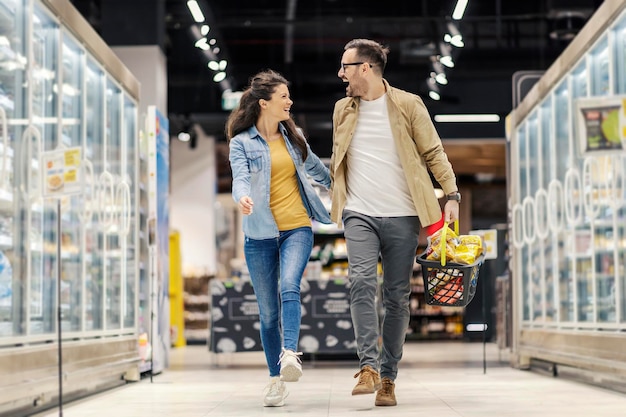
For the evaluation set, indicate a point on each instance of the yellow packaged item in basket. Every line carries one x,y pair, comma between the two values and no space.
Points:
469,248
434,245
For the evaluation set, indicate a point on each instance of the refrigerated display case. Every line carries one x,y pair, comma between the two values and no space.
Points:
62,87
568,206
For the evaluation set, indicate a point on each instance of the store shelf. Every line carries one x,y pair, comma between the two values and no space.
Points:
196,308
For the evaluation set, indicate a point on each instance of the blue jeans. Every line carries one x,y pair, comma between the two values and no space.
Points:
272,263
395,240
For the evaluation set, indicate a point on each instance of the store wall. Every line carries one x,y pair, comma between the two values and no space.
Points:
192,200
148,64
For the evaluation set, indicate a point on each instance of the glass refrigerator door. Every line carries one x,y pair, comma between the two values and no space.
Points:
579,80
620,265
619,56
12,124
581,248
111,207
604,178
128,221
94,156
143,316
619,59
72,224
542,206
523,185
599,64
563,155
41,136
537,250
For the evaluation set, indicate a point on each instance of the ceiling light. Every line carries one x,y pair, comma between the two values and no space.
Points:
195,11
212,42
216,50
445,56
459,9
204,29
466,118
453,36
447,61
223,65
201,43
457,41
219,76
184,137
433,89
438,72
567,25
213,65
434,95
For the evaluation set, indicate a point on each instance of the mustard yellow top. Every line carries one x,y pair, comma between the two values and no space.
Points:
285,200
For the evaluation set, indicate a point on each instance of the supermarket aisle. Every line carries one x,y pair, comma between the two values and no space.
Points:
436,379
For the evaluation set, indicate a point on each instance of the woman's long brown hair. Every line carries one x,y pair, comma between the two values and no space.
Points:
246,114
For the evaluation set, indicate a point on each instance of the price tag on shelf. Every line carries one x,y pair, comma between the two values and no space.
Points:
62,173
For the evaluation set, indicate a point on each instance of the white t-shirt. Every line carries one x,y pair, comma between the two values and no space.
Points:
376,184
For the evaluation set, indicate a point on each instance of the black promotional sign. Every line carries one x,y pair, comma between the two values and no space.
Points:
326,322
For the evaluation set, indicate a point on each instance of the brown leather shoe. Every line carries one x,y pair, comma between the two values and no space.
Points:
386,396
369,381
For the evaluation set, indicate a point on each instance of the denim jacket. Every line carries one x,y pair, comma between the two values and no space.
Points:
251,169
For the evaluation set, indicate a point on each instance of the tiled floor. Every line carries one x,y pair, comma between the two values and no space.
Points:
435,380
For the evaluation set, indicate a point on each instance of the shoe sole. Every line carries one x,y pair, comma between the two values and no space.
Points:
290,374
280,404
385,403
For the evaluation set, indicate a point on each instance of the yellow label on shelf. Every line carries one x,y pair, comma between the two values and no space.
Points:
72,157
70,176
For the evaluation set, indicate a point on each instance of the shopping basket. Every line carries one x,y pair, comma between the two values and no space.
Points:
448,283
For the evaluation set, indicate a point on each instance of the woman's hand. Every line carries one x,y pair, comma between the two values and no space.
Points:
245,205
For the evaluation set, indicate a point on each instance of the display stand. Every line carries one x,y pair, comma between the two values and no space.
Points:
62,177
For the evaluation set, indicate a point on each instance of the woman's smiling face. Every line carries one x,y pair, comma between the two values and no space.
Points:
279,104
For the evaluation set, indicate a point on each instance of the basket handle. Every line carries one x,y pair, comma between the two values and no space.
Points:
443,239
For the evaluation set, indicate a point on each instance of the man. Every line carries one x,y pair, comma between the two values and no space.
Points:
384,144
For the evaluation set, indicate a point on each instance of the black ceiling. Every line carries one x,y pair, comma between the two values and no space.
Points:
304,40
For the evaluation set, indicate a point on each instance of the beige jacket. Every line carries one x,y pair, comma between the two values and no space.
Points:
419,148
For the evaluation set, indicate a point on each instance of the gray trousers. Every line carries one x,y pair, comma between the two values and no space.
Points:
395,240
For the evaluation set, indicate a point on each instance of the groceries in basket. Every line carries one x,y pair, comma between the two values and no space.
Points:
450,267
463,249
450,291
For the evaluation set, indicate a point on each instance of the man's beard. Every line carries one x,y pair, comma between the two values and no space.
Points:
354,90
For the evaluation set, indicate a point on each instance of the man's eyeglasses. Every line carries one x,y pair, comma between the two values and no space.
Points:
343,66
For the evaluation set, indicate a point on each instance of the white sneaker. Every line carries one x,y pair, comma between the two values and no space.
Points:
275,393
290,365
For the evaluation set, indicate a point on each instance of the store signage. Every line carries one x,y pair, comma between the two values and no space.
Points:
326,323
230,99
490,242
62,172
601,124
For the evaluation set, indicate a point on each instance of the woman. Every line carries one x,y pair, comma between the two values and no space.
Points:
270,160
